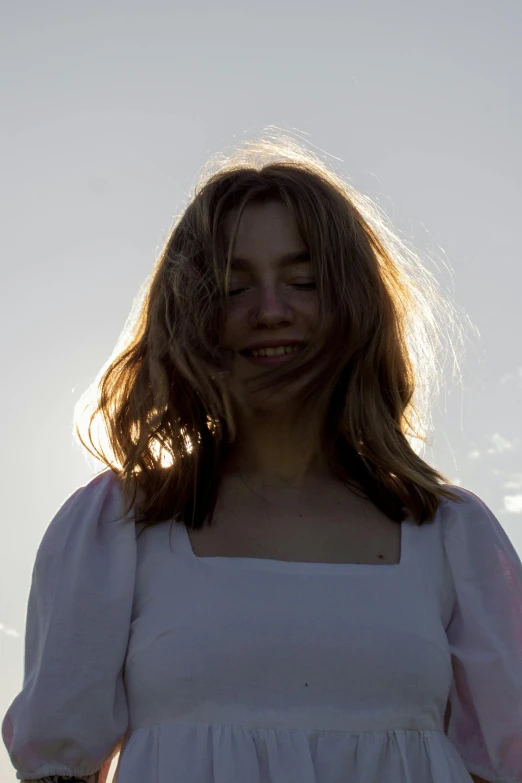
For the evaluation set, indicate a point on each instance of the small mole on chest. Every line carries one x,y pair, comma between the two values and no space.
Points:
381,557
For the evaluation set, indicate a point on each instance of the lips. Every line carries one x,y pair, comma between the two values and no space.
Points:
248,351
268,361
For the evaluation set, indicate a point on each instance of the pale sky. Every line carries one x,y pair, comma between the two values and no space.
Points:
109,111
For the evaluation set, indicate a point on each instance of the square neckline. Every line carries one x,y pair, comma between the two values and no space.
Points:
296,566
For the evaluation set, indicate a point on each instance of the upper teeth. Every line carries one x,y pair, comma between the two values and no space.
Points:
278,351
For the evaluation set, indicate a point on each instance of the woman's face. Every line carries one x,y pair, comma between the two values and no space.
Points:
269,298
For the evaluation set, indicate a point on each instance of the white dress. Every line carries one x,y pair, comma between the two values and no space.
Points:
227,670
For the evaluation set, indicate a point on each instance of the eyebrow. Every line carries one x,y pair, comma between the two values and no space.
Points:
297,257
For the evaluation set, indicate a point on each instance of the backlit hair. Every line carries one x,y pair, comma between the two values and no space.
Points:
166,405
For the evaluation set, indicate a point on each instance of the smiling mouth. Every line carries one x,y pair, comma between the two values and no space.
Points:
255,353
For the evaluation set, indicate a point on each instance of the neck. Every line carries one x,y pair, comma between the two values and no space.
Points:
271,452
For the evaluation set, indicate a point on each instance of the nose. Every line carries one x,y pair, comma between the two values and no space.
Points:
271,305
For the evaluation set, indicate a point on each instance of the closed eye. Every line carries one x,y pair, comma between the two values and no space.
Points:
308,286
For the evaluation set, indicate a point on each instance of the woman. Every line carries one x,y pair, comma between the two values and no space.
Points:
326,606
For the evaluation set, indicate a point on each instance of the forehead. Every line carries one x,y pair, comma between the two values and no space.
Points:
286,260
265,229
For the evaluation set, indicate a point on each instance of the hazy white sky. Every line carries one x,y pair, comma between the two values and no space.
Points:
109,111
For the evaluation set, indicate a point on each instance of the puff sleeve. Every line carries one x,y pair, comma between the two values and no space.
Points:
485,639
71,715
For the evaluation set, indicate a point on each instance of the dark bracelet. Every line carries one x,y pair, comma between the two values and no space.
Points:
62,779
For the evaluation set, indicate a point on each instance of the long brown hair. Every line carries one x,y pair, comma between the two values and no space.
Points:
166,404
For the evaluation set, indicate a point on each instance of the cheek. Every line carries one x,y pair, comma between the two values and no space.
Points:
309,311
312,308
234,330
